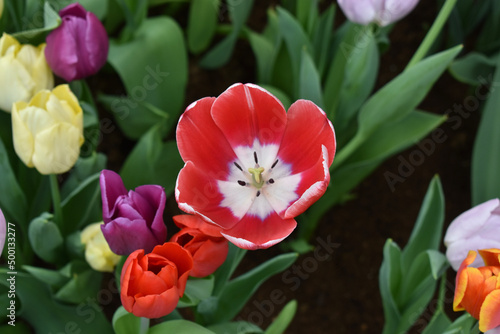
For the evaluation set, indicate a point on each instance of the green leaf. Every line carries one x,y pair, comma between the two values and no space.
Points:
236,327
50,277
391,138
83,169
281,323
197,289
398,98
179,327
202,21
389,281
427,231
237,292
45,314
264,52
77,215
152,161
226,270
221,53
462,325
46,239
156,83
309,81
51,20
127,323
12,198
81,285
471,67
322,39
485,157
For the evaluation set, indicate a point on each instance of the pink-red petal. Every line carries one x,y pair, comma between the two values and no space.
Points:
253,233
307,131
201,141
248,112
196,222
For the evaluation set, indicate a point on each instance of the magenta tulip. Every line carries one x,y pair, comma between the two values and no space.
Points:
132,219
77,48
381,12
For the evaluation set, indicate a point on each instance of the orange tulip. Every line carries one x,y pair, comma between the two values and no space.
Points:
204,241
477,290
152,284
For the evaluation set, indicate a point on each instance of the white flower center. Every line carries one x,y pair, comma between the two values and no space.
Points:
258,182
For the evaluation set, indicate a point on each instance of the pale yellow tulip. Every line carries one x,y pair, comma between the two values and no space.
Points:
48,131
23,71
97,252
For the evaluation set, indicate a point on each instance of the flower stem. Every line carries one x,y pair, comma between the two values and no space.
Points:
433,33
56,200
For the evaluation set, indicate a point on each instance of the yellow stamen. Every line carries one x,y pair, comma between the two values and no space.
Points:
257,176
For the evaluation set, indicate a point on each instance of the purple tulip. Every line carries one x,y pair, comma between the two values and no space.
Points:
477,228
77,48
3,231
134,219
382,12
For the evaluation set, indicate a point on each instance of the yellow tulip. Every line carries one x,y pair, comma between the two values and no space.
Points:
23,71
97,252
48,131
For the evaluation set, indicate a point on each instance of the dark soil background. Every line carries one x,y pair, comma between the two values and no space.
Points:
340,294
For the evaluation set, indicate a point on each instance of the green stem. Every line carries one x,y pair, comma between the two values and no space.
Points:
433,33
56,201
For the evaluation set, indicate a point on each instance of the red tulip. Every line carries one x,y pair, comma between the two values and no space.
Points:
204,241
77,48
152,284
477,290
250,166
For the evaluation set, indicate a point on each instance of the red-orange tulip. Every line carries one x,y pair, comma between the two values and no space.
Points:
477,290
152,284
204,241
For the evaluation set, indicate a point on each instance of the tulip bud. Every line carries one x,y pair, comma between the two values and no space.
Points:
381,12
23,71
3,231
77,48
97,252
132,219
477,228
48,131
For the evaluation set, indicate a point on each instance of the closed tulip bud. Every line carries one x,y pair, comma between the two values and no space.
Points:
23,71
3,231
48,131
97,252
77,48
381,12
474,229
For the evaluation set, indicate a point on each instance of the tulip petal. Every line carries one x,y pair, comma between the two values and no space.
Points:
197,193
358,11
3,230
248,112
491,257
210,256
302,144
253,233
152,207
200,140
461,281
96,44
489,316
195,222
112,187
156,306
125,236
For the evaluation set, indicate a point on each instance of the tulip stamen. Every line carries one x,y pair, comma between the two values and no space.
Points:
238,166
257,179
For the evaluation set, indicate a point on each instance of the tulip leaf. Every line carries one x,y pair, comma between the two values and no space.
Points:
264,52
12,199
235,327
389,281
485,157
281,322
53,278
471,67
398,98
197,289
221,53
79,287
45,314
51,20
309,80
462,325
83,169
46,239
77,215
391,138
237,291
202,21
322,39
156,83
179,327
427,232
127,323
226,270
